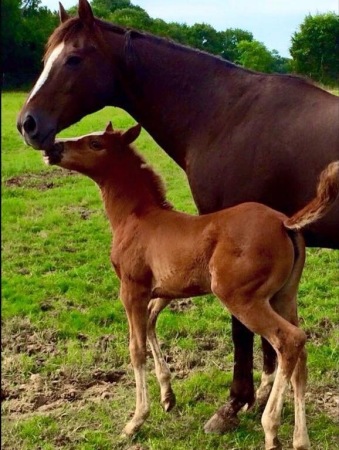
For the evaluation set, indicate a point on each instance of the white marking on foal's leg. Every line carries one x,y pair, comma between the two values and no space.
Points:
142,404
48,66
271,417
300,437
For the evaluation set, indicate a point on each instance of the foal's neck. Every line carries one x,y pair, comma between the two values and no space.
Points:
131,187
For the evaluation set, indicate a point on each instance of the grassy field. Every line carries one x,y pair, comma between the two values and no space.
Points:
66,377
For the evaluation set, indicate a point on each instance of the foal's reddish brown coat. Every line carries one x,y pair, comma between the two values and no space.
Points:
249,256
239,135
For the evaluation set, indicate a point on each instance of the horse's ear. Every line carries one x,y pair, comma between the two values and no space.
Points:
130,135
85,13
109,127
62,14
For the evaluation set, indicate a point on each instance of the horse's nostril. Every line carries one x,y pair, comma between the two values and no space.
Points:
30,125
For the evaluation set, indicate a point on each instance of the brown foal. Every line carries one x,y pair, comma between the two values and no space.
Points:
250,256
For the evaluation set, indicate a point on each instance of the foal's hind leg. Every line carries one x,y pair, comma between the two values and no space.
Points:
288,341
298,380
162,371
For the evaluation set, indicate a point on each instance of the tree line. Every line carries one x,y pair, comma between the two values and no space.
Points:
26,26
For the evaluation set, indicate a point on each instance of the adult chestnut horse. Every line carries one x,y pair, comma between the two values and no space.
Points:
239,135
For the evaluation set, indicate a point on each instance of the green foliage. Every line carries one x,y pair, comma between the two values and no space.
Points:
104,8
204,37
25,29
132,17
254,55
315,48
230,40
26,26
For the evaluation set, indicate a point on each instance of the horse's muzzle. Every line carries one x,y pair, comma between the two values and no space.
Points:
37,136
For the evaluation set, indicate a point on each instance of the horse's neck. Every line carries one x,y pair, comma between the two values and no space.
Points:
130,189
172,91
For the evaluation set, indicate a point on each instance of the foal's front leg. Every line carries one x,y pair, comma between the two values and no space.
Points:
135,299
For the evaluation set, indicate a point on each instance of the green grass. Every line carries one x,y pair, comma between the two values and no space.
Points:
64,328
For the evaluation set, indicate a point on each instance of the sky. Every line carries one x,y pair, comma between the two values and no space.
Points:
272,22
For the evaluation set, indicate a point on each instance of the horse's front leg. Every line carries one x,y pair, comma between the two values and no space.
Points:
135,301
242,388
161,369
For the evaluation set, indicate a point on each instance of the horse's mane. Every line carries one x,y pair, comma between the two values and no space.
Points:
72,26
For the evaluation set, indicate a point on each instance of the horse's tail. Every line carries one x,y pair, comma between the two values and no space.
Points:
327,192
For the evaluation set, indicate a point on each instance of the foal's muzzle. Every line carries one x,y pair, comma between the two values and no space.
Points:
54,154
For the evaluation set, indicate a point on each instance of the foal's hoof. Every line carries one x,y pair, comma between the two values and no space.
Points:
218,424
276,445
169,401
130,429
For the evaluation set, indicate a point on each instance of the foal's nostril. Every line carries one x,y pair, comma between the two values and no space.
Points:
30,126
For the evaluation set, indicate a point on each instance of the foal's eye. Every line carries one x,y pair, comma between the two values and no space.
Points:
73,60
96,145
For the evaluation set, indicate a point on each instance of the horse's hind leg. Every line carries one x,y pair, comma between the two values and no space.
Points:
162,371
242,388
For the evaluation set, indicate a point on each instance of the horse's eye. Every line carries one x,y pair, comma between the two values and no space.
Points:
73,60
96,145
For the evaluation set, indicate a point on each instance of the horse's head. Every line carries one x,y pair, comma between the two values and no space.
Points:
95,154
78,77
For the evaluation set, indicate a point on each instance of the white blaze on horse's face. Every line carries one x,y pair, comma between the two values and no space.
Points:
48,66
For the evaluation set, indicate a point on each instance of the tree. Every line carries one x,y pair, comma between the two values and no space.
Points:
11,34
315,48
230,40
25,29
254,55
132,17
104,8
204,37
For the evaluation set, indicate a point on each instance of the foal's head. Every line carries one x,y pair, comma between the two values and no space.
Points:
95,155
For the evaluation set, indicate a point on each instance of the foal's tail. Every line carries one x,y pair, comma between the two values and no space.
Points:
327,192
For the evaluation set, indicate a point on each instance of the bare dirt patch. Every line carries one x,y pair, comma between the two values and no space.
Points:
22,394
41,180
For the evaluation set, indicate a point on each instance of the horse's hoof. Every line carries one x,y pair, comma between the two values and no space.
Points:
218,424
169,402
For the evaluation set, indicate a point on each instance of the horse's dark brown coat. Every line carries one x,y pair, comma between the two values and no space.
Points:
239,135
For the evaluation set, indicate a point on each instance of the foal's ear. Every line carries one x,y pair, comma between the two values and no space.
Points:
63,16
109,127
85,13
130,135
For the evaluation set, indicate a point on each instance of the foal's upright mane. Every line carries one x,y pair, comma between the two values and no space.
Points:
142,175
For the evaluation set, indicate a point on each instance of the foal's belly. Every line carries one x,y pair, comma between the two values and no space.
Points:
181,285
